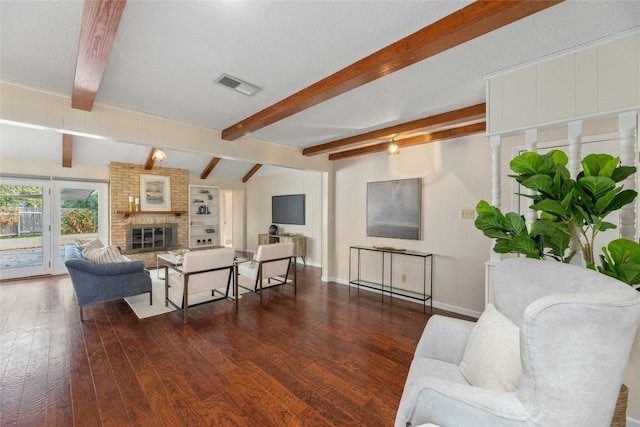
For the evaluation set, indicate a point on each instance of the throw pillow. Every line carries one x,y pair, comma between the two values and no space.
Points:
90,244
492,356
105,254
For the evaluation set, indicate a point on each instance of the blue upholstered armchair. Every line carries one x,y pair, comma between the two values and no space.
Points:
553,352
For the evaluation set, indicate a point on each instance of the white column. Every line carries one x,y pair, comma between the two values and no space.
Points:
531,140
628,126
574,131
575,147
496,188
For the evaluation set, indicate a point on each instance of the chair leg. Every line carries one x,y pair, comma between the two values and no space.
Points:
151,297
81,315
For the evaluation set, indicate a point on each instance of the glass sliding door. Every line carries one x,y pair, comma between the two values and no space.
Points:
25,240
80,213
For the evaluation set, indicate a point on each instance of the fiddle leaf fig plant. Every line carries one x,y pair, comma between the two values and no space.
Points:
567,209
621,259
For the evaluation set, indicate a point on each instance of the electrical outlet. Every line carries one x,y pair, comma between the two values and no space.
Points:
467,214
404,278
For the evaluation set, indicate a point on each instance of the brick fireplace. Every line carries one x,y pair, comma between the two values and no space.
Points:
125,182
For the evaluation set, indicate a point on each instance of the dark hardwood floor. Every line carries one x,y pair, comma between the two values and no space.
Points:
323,357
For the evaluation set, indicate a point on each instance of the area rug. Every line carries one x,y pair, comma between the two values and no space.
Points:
140,303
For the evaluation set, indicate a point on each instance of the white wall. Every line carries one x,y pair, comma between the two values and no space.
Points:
259,190
456,175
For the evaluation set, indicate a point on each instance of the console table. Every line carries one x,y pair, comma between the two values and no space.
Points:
392,255
299,243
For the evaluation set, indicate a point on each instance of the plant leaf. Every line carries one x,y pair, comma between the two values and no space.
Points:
596,185
484,207
621,199
526,163
622,172
550,206
593,163
525,245
516,222
559,157
542,183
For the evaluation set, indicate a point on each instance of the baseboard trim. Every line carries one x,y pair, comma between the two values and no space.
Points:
436,304
632,422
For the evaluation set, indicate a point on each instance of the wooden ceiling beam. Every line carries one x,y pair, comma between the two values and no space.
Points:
474,20
253,170
207,170
67,150
414,140
100,19
148,165
450,118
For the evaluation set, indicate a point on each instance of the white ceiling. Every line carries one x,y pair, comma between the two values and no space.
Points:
167,54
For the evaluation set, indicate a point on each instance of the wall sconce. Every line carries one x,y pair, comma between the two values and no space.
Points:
159,155
393,147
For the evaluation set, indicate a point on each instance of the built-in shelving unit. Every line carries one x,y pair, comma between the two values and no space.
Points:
204,216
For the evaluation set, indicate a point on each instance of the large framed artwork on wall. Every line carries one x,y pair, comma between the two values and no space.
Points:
155,193
394,208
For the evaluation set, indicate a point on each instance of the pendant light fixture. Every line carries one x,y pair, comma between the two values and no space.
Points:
393,147
159,155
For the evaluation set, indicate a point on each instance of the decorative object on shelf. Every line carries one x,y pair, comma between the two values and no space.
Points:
137,204
210,230
159,155
273,229
155,192
393,147
203,210
130,203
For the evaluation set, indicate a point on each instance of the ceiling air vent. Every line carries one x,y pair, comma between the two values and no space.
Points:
237,85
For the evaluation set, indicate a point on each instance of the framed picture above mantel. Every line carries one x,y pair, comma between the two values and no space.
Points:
155,193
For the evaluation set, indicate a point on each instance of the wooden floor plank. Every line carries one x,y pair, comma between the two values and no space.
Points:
324,356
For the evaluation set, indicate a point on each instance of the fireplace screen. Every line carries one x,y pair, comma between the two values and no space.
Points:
151,237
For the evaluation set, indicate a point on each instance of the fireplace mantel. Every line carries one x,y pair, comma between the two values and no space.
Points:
127,213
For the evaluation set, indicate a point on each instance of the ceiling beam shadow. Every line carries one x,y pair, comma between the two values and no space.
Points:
253,170
450,118
207,170
474,20
414,140
67,150
100,19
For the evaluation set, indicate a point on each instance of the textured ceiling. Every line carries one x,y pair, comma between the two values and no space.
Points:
167,53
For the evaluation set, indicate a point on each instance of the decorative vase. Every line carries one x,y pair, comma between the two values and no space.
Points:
273,229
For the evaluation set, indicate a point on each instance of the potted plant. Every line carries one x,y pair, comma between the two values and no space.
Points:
568,209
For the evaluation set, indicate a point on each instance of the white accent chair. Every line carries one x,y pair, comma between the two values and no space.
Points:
201,271
270,267
576,330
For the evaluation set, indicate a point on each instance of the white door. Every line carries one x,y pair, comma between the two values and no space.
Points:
79,213
25,238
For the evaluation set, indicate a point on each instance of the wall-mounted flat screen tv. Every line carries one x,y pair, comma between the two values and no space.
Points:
288,209
393,208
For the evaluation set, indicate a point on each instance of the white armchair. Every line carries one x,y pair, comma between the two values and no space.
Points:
270,267
201,271
574,329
